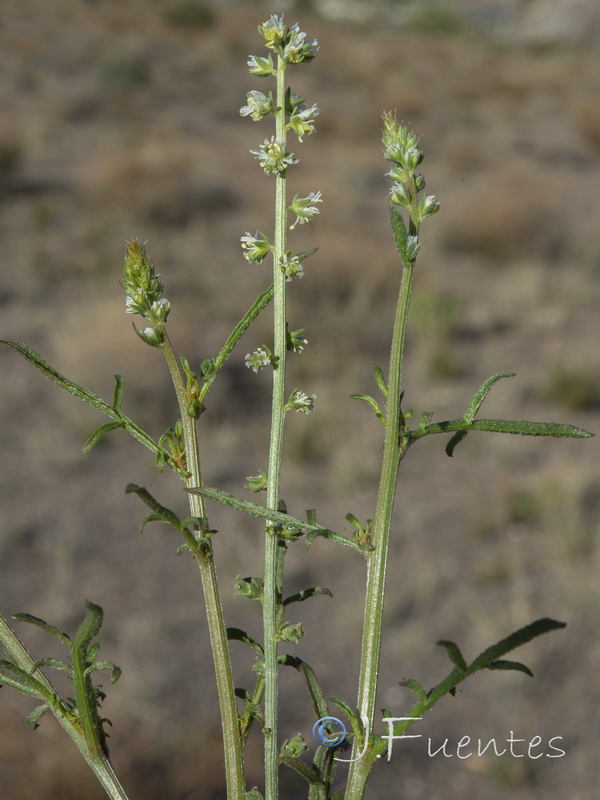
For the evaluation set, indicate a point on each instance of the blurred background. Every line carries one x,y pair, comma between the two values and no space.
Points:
120,119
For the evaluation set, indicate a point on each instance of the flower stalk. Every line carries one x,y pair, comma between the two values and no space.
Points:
402,148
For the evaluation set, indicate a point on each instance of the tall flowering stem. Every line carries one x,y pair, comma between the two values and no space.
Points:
288,45
144,296
401,147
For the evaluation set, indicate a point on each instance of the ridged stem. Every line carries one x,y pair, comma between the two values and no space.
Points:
393,452
232,742
274,547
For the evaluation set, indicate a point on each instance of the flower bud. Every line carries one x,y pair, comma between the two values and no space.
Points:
428,206
400,195
263,67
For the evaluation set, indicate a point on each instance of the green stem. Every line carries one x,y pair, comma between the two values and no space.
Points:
97,761
393,452
274,547
232,742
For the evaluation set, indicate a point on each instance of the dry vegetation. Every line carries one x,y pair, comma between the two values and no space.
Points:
120,120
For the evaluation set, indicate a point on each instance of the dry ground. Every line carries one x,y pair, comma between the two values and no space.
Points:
119,121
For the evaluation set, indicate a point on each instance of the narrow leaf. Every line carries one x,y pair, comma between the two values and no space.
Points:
314,687
516,639
160,513
115,672
510,665
98,434
34,718
400,233
372,402
54,664
456,439
481,394
357,725
118,393
238,635
454,654
262,512
302,768
305,594
416,687
525,428
88,397
62,637
302,256
380,380
259,304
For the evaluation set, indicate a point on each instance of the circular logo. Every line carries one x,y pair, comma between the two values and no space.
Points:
329,731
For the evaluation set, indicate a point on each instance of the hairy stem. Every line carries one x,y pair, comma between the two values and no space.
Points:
274,547
232,742
393,452
97,761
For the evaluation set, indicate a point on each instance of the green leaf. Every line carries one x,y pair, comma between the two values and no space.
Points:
302,768
456,439
454,654
98,434
516,639
34,718
89,397
400,234
238,635
314,687
226,499
118,393
380,380
481,394
159,512
373,403
510,665
293,747
62,637
216,364
305,594
355,721
416,687
525,428
54,664
302,256
115,672
19,679
521,427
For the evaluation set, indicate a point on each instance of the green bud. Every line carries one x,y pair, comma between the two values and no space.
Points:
152,336
257,483
295,340
400,195
290,633
255,248
263,67
428,206
251,588
293,747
